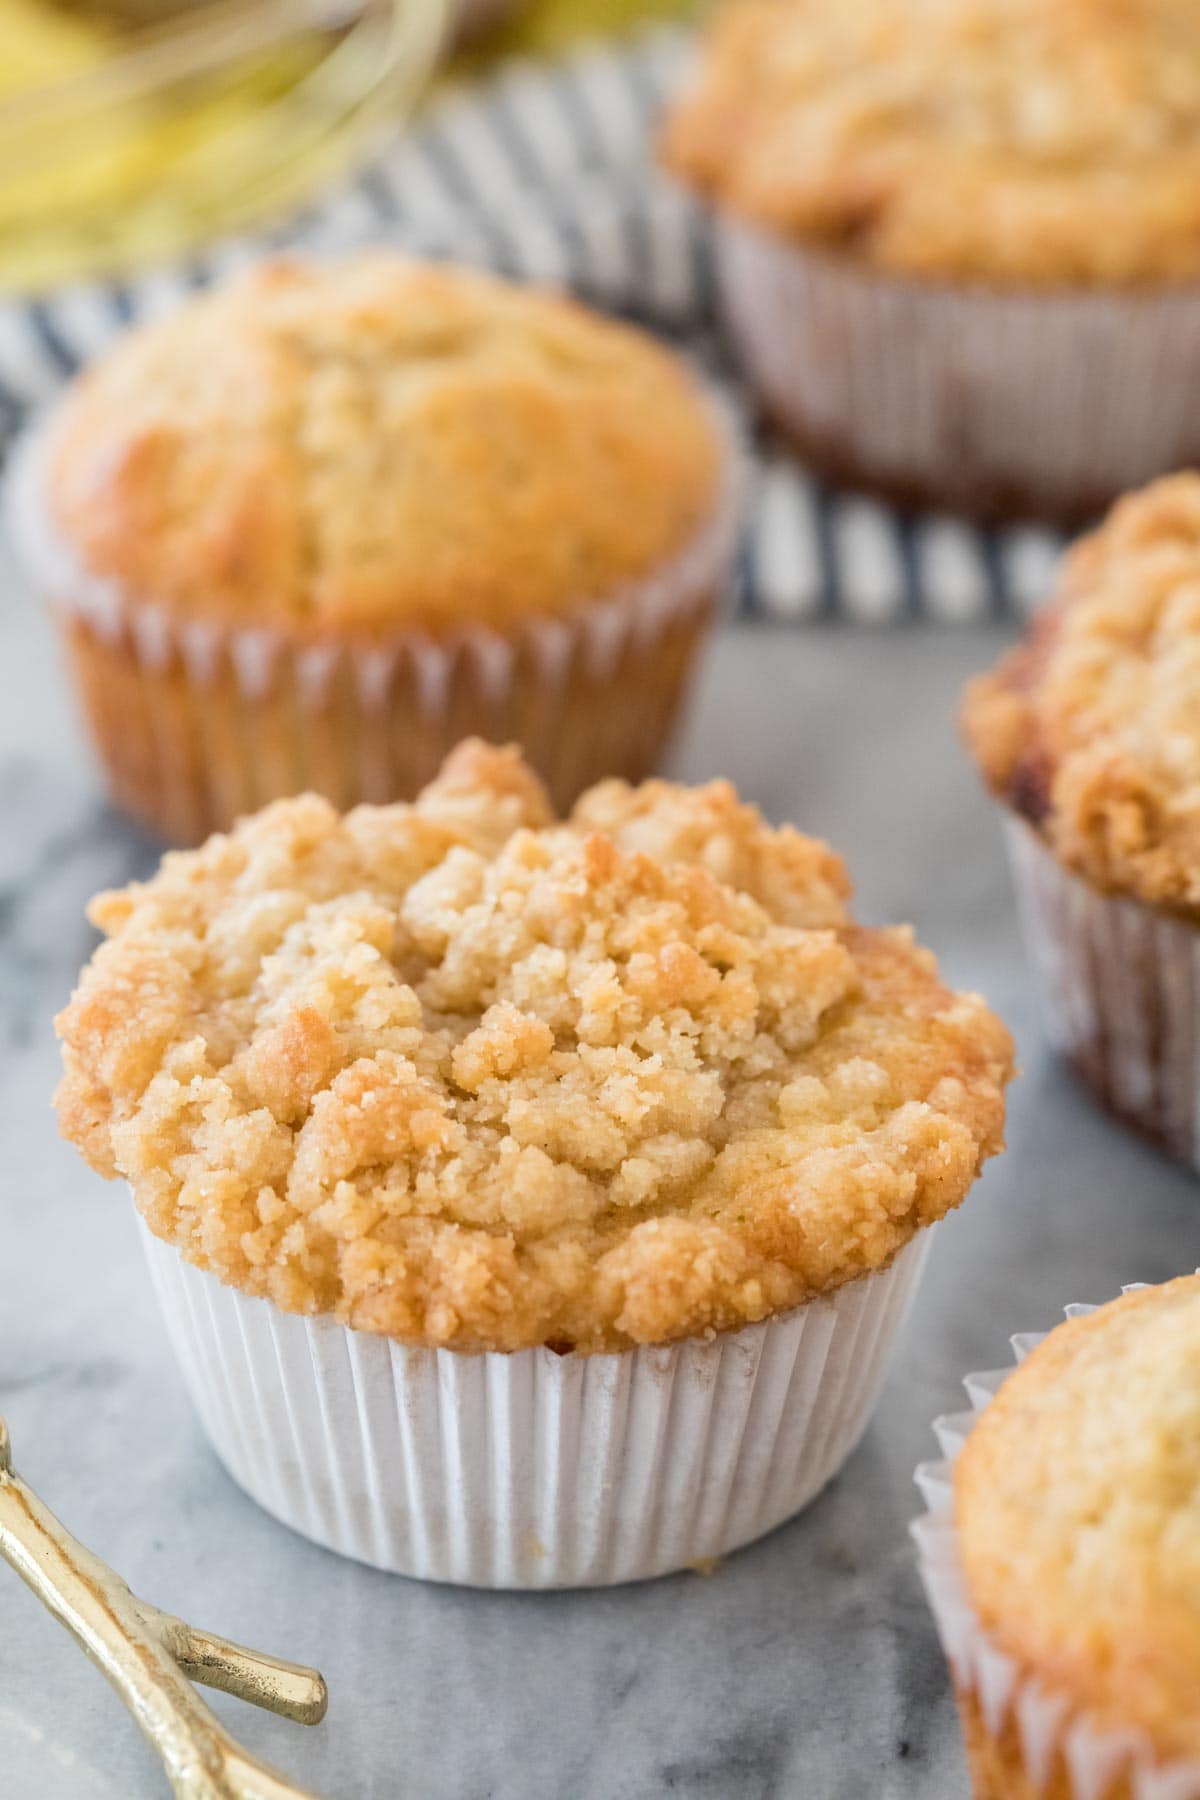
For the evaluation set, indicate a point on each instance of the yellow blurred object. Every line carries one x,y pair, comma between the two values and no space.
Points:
134,130
124,144
40,43
545,27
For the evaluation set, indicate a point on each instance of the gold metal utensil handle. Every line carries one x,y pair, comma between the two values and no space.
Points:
152,1658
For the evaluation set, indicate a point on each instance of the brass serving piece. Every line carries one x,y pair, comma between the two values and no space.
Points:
152,1658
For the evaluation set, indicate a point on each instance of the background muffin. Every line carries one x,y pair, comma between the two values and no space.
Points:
1089,736
319,523
472,1079
959,241
1074,1546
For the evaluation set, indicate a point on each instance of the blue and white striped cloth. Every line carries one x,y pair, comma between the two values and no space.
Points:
545,171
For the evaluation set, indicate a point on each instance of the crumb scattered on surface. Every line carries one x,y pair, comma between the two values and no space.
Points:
1090,729
705,1565
460,1073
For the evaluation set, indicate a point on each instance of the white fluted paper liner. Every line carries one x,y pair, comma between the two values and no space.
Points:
1051,401
1047,1728
1120,992
370,718
531,1470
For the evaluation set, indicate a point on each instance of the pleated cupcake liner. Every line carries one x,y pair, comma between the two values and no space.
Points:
1006,1711
198,721
532,1469
1046,404
1120,990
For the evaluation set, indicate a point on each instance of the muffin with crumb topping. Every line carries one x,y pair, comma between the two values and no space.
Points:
627,1096
1088,734
1062,1558
958,241
324,520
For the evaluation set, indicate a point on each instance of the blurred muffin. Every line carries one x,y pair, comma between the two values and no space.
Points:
459,1076
324,520
1065,1566
958,241
1088,734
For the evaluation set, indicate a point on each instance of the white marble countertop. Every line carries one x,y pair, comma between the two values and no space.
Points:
807,1664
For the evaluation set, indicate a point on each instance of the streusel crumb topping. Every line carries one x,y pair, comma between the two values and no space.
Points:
1078,1510
463,1074
1090,729
1016,141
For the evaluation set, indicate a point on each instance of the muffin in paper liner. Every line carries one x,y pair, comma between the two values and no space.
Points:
1120,990
197,722
998,402
533,1201
533,1469
1023,1740
935,293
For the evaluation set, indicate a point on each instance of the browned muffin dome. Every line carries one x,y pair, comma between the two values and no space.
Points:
1076,1503
373,443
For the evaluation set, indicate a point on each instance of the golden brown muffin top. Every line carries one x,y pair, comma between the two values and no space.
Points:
465,1075
1014,141
1090,729
1077,1502
373,443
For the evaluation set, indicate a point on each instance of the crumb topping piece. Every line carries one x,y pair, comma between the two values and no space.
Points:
1050,142
372,442
460,1073
1090,729
1077,1500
